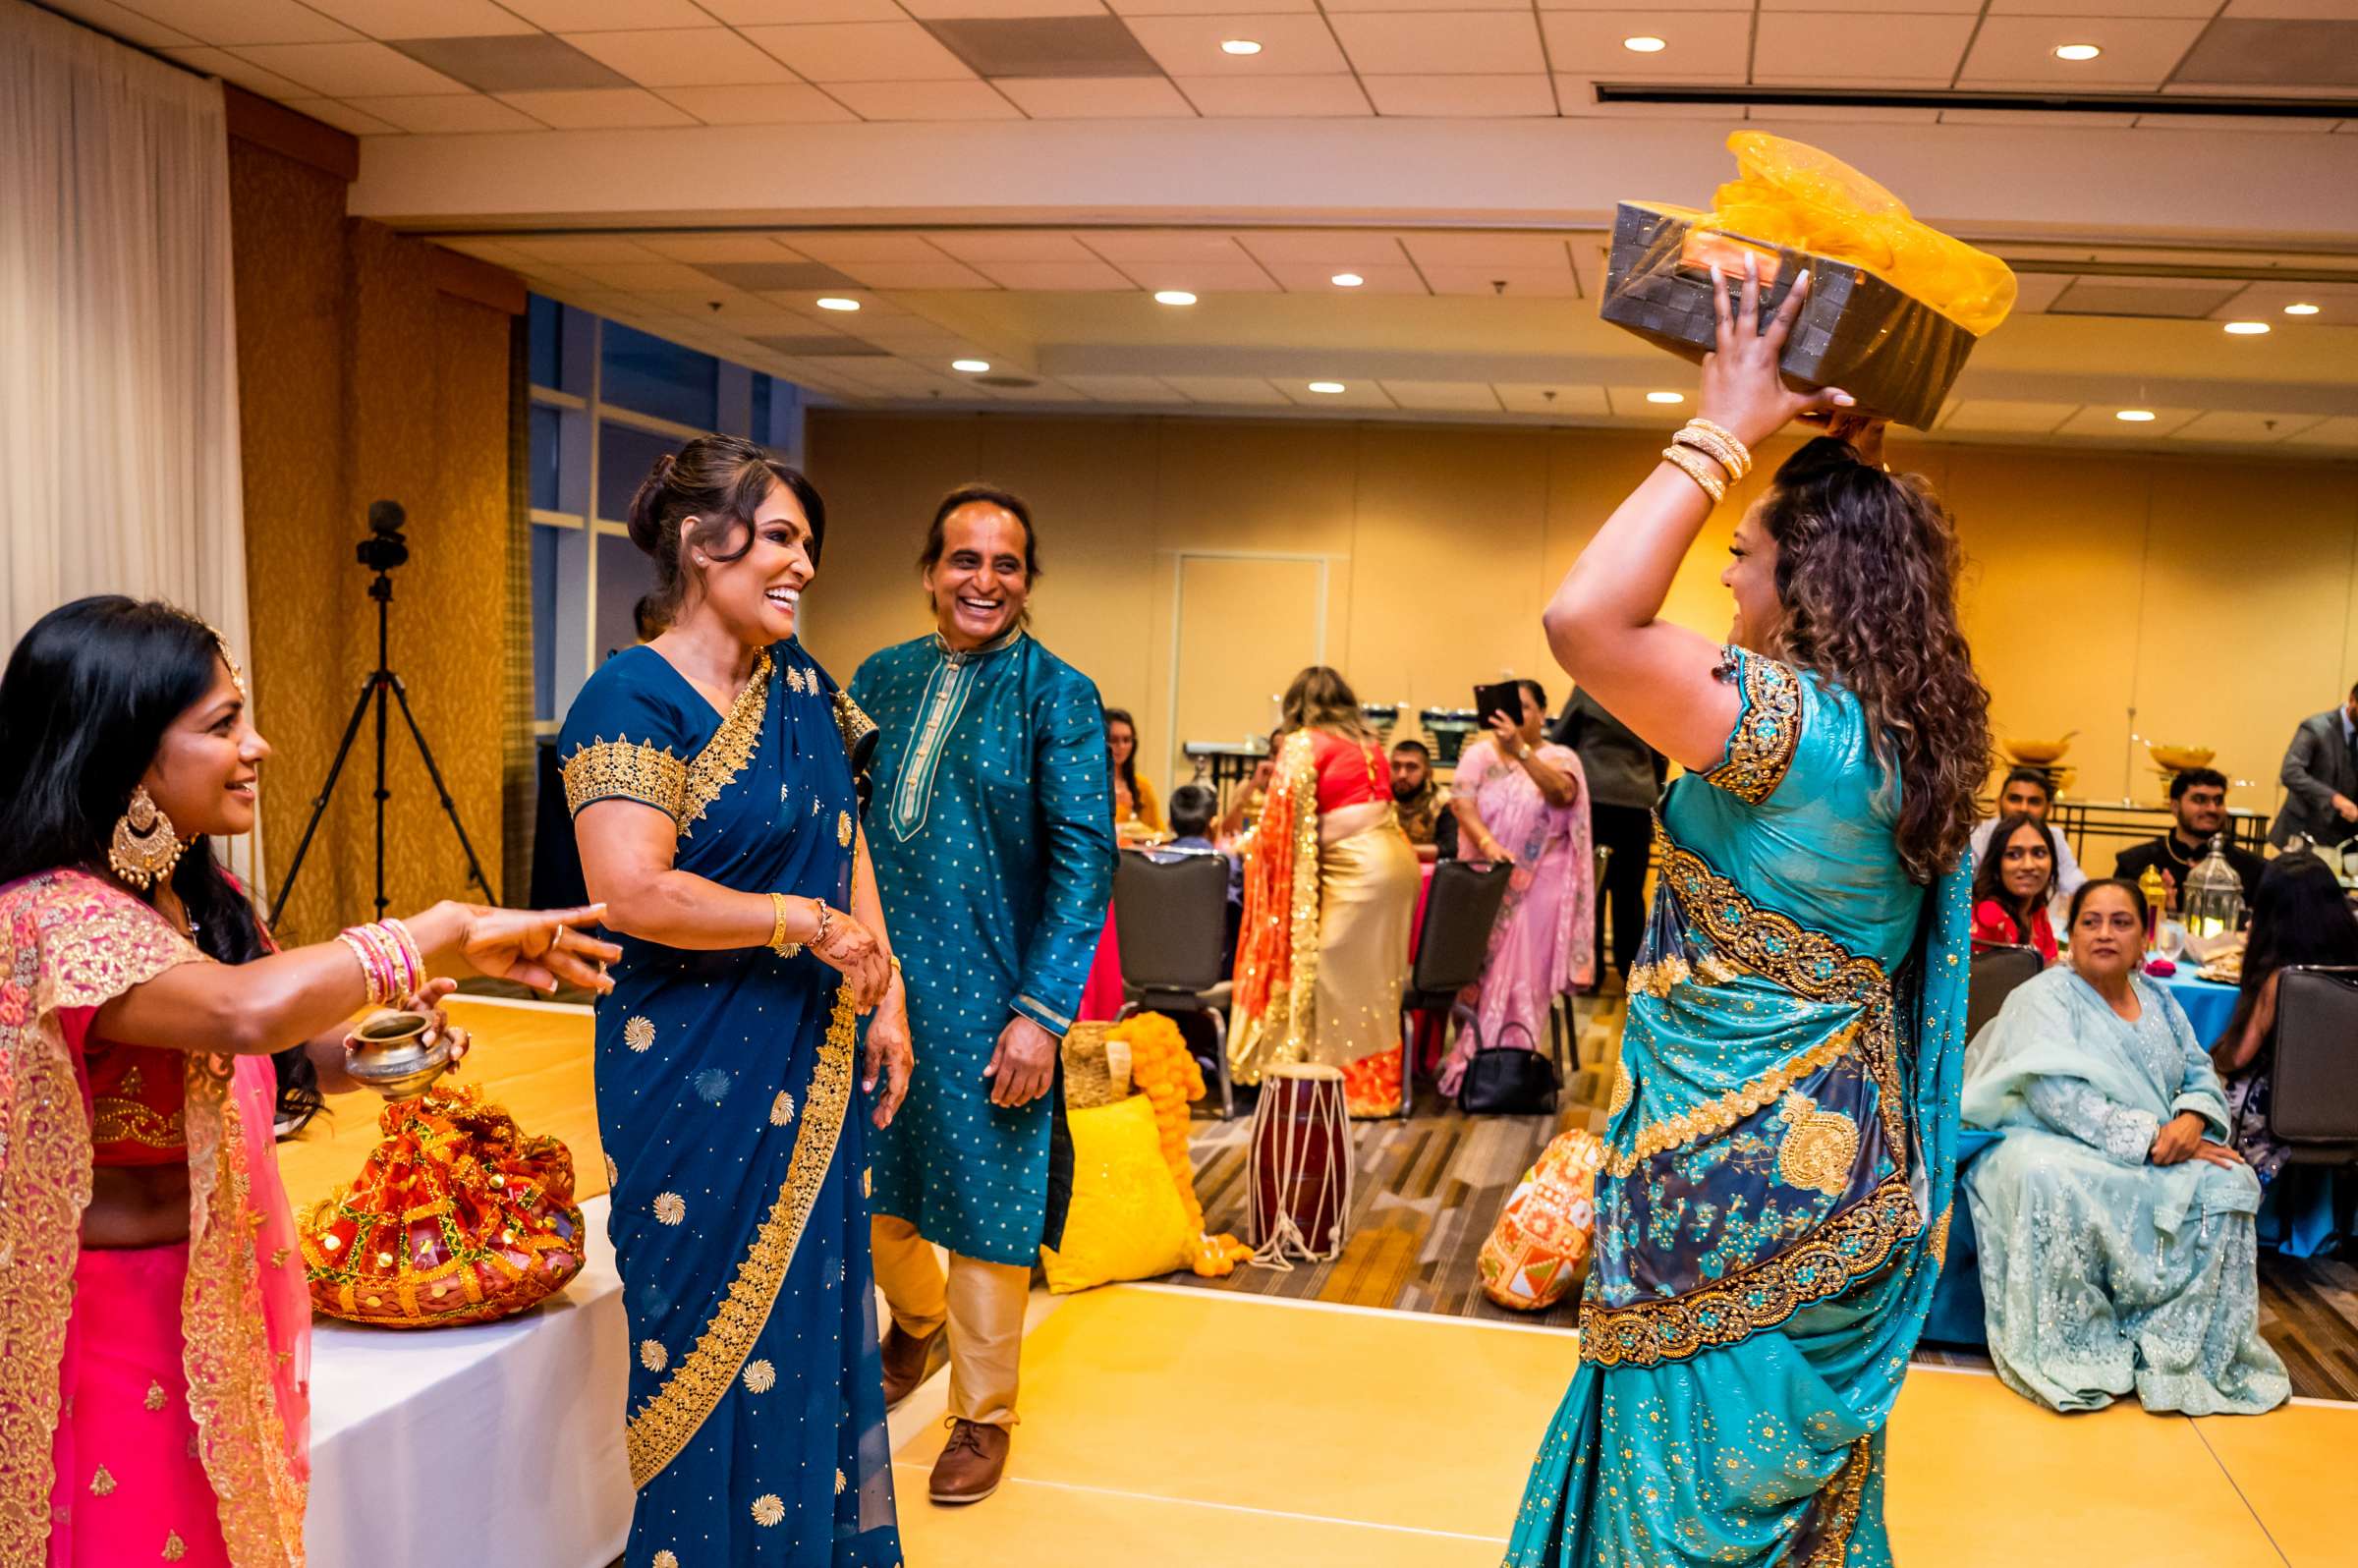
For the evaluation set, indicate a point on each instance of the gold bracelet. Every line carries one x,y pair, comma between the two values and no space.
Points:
1743,452
777,929
827,919
1728,456
1699,469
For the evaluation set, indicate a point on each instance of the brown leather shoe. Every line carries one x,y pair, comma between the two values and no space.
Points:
910,1361
971,1463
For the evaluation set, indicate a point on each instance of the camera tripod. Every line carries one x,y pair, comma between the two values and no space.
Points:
384,551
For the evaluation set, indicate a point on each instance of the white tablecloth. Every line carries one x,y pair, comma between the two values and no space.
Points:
500,1444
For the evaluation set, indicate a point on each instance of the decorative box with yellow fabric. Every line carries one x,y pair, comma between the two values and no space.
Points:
1894,306
1536,1251
457,1217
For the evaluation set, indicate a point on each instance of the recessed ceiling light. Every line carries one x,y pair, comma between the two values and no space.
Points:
2135,416
1665,397
1239,46
2247,329
1644,43
832,303
1330,388
2300,310
2077,51
971,366
1346,280
1174,297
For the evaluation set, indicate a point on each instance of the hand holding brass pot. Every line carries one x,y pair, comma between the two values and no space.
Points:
401,1053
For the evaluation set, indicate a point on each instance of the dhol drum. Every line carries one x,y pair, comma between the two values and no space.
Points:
1299,1170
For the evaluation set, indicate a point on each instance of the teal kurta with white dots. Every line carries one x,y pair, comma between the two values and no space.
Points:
991,828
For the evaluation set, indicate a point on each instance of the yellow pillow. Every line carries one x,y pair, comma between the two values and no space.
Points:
1127,1221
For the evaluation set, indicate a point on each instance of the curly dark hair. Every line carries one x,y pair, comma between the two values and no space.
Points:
1867,567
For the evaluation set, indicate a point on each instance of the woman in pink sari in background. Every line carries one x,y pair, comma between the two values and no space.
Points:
1524,801
156,1387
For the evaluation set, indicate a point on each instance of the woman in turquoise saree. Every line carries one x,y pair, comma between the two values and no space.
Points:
714,802
1780,1148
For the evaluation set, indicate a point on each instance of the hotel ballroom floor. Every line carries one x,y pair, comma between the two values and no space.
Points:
1173,1425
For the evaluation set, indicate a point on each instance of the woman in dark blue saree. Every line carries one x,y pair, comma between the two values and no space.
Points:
712,787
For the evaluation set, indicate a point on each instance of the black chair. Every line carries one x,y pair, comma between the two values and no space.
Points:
1451,952
1995,971
1172,919
2314,1108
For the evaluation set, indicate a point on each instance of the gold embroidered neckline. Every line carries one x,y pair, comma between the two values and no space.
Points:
732,746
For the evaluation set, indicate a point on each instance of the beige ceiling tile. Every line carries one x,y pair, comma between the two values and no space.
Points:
1441,44
762,13
1522,283
863,51
2339,431
2105,8
1444,397
1235,391
1553,398
1210,8
998,9
700,248
2019,53
1123,389
2034,292
784,103
1364,392
1703,46
2054,117
239,22
1095,97
1578,97
2100,419
1200,277
610,15
683,57
244,73
352,70
1275,97
1012,245
917,275
1290,45
1842,114
599,109
2253,430
1821,46
644,277
1125,246
1633,402
343,116
2238,123
1443,249
1470,97
423,18
2003,416
449,113
924,100
1333,249
1049,277
573,250
2294,10
1302,277
2267,298
847,250
1346,7
1736,6
125,23
1904,6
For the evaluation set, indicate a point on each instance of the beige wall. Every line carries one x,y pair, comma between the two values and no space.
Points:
2215,596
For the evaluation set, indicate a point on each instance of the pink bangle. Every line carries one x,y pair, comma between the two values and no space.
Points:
372,976
412,959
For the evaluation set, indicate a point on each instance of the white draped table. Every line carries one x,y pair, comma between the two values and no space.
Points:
499,1443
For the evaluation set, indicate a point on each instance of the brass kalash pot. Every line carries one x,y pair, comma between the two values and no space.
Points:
457,1215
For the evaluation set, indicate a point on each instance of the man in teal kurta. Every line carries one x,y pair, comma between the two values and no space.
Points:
992,829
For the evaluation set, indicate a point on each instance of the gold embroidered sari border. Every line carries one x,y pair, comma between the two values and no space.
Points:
662,1427
725,756
1849,1247
1774,946
1721,1113
1767,730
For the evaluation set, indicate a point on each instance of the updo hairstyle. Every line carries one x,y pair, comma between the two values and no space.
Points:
718,483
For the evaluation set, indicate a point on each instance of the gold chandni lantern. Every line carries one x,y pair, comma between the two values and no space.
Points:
2212,901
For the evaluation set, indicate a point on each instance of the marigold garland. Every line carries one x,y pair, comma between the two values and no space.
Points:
1164,1070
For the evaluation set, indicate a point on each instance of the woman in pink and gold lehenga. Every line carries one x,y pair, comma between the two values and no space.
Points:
154,1387
1330,893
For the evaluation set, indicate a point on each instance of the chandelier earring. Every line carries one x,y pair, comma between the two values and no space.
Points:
144,848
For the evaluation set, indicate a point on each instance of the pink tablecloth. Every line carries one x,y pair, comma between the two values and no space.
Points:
1101,998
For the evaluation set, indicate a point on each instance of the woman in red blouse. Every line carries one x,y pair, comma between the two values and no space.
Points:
2011,886
1330,891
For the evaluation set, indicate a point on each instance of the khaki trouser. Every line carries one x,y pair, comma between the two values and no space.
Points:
983,1303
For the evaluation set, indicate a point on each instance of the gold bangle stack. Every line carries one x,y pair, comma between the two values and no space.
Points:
827,919
777,929
1709,454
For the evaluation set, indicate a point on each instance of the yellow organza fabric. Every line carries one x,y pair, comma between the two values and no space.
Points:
1791,194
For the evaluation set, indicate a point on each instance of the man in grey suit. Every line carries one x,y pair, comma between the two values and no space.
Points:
2321,778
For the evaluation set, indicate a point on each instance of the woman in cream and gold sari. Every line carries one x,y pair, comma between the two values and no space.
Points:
1331,892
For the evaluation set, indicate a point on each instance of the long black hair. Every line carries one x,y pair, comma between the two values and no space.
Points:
83,707
1127,769
2299,916
1990,877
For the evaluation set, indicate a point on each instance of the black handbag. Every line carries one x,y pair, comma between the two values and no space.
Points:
1508,1080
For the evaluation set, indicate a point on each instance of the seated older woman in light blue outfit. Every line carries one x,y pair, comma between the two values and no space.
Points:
2115,1219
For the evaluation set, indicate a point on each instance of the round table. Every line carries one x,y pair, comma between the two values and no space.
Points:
2209,1006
